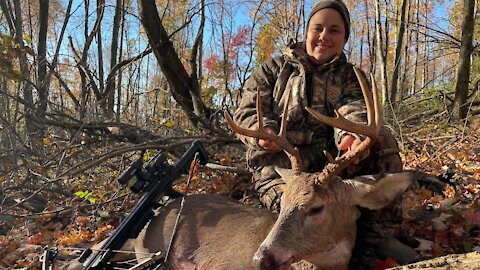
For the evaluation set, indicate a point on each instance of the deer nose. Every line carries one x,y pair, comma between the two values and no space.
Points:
265,259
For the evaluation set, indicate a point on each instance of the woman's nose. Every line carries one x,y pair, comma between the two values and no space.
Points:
322,35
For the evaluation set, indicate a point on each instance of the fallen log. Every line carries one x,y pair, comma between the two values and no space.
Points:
467,261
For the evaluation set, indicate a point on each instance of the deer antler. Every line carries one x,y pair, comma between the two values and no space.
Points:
371,129
280,138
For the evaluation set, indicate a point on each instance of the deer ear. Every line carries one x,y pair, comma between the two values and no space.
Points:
378,194
286,174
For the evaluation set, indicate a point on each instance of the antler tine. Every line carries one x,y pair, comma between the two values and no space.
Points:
374,116
283,124
260,133
259,112
371,129
376,105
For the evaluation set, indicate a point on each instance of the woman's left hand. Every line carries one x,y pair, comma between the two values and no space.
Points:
348,144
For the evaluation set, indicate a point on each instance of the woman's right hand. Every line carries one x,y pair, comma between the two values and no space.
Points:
269,145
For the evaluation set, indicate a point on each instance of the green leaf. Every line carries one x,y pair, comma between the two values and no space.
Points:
82,194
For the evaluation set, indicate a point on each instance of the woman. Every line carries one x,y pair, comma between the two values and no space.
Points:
318,75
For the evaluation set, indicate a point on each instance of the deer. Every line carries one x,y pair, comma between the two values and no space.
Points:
317,218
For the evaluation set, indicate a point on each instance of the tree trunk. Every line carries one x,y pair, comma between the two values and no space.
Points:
381,56
8,16
4,114
463,72
42,58
417,47
360,60
109,95
371,41
386,36
26,88
82,62
398,54
406,57
101,74
88,81
426,52
120,75
53,64
183,89
196,58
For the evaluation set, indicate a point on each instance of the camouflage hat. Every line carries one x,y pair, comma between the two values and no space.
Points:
339,6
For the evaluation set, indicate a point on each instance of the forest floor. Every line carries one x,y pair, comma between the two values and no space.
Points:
442,212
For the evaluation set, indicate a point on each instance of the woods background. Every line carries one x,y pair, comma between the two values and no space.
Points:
86,85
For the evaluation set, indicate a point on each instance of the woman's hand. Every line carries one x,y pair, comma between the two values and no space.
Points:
348,144
269,145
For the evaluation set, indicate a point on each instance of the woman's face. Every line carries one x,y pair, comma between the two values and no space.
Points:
326,35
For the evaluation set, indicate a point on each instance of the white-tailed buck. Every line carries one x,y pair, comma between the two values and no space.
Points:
317,219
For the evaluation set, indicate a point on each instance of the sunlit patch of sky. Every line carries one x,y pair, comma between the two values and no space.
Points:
441,11
241,15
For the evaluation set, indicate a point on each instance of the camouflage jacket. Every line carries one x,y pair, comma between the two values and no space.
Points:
324,88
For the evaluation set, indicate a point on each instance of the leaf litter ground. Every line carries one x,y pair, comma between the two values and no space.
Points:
441,213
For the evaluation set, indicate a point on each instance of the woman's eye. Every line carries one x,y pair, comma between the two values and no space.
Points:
317,29
335,30
316,210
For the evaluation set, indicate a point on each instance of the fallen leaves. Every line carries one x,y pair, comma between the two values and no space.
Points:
443,222
386,264
73,238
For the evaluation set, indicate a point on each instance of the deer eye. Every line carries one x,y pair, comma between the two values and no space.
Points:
316,210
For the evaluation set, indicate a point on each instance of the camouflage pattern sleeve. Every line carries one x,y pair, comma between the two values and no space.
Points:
351,104
263,78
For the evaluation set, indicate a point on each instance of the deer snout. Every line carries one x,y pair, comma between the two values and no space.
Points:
265,259
268,261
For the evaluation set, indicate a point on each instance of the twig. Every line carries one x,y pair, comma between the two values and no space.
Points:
436,138
444,145
94,161
62,210
469,111
226,168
